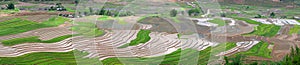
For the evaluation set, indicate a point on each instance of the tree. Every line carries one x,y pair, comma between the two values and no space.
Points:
173,13
247,7
76,2
272,15
194,11
10,6
91,10
223,15
258,16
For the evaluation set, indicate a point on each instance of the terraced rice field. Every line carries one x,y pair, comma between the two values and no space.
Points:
247,20
260,50
268,30
143,46
295,29
265,30
240,46
51,58
102,47
142,37
220,22
105,18
17,25
230,45
34,39
174,58
87,29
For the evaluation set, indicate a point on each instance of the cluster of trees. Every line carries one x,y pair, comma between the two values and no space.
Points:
292,59
173,13
76,2
272,15
107,12
57,7
194,12
9,6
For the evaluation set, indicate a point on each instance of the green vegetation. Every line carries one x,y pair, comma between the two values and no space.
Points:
224,46
230,45
70,9
183,5
8,2
144,17
237,60
295,29
268,30
179,35
290,59
16,41
10,6
220,22
87,29
265,30
173,13
121,21
260,50
51,58
247,20
194,12
180,56
293,58
142,37
17,25
10,11
55,21
272,15
104,18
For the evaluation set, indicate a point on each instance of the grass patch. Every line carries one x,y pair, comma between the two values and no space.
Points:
51,58
265,30
17,25
70,9
260,50
247,20
295,29
32,40
142,37
220,22
104,18
87,29
230,45
55,21
10,11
